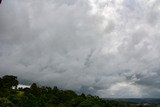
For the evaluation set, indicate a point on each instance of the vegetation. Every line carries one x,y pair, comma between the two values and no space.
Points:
36,96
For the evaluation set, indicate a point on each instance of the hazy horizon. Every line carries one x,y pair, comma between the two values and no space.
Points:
108,48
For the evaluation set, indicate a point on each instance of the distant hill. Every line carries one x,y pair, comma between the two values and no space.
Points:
150,101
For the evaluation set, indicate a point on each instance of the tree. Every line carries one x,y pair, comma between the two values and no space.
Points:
83,95
35,90
1,85
34,86
9,81
31,101
88,103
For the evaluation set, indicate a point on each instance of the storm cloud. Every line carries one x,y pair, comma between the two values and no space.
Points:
109,48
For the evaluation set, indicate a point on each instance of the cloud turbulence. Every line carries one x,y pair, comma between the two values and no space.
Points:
109,48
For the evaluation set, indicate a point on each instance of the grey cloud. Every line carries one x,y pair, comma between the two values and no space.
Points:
95,47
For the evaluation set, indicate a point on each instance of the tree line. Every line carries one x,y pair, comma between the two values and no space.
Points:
43,96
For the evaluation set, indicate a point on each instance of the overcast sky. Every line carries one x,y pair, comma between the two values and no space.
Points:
109,48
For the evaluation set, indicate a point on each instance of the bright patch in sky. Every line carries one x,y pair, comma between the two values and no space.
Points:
23,86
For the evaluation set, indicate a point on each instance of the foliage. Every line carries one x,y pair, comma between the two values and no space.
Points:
36,96
9,81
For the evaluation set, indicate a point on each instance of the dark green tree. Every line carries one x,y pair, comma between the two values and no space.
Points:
9,81
1,85
35,90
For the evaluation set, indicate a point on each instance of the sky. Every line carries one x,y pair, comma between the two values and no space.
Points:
109,48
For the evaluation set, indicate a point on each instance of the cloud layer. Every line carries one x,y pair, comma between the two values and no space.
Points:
101,47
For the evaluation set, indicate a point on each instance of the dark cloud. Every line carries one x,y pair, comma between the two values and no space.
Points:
100,47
